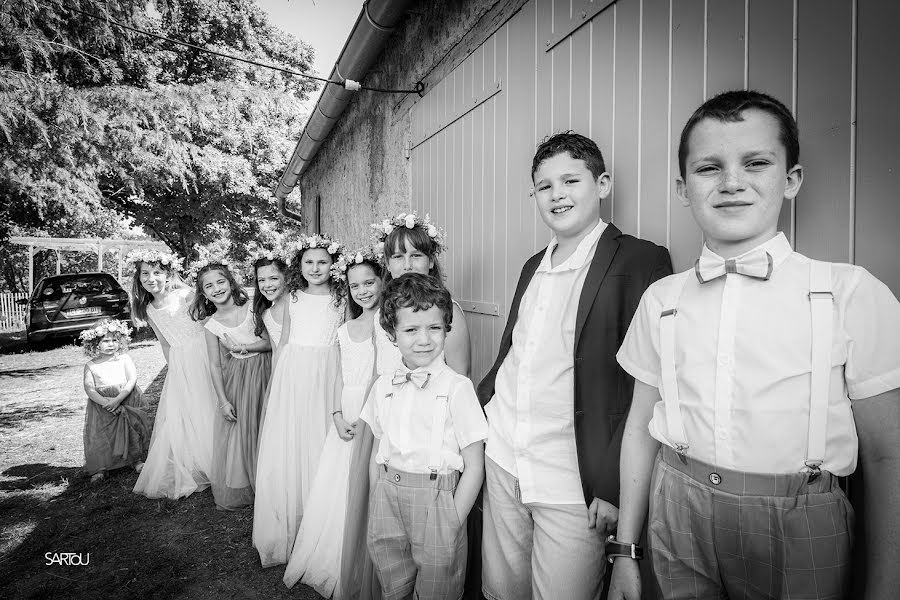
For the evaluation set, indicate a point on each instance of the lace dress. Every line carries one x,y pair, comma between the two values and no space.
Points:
304,385
181,447
316,558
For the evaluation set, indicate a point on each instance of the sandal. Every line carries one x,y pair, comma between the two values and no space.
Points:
138,466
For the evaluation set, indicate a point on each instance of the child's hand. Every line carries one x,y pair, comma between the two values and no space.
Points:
230,343
345,430
227,410
602,516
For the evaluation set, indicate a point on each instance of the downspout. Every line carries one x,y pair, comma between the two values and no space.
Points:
373,26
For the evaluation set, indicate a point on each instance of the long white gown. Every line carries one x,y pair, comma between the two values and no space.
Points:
305,383
179,462
316,558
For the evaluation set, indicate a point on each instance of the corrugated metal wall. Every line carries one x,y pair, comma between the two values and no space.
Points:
628,75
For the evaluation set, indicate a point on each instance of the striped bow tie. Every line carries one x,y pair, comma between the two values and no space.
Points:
757,264
420,378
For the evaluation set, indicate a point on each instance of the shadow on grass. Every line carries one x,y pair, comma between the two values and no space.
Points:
20,416
35,372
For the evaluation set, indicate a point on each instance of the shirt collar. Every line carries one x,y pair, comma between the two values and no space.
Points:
435,367
778,247
579,257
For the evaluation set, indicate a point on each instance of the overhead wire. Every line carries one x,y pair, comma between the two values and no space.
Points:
345,83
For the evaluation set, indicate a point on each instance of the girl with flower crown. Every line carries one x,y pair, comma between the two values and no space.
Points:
305,384
240,362
269,271
180,458
411,244
316,557
116,423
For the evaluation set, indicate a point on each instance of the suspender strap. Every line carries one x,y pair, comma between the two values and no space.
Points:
821,305
436,442
669,389
384,444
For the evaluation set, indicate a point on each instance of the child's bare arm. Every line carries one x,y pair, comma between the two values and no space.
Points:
638,453
130,375
877,424
457,349
471,480
163,344
91,390
373,466
215,369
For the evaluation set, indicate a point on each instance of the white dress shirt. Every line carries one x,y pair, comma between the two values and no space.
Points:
403,424
743,363
531,416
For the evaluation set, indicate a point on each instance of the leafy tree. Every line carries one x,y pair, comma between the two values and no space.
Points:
98,123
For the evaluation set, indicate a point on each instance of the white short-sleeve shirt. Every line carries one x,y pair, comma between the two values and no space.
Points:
403,423
743,362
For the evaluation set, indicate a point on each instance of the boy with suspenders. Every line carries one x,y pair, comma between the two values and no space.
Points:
428,465
761,376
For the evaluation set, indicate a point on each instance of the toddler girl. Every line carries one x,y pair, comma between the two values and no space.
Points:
116,424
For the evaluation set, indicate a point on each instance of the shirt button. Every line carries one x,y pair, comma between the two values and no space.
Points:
722,433
724,360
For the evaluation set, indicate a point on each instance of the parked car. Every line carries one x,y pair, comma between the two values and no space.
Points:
65,305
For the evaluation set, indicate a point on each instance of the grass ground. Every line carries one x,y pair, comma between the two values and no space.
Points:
139,548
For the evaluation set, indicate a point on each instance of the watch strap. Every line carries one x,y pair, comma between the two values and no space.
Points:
615,548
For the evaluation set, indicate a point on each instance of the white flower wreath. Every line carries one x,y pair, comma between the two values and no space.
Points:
165,259
409,221
346,260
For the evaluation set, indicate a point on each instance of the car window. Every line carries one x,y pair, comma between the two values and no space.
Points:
55,289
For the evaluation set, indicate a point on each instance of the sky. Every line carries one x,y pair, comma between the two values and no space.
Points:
323,24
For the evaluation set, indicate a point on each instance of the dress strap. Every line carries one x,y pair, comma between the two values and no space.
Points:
669,390
821,306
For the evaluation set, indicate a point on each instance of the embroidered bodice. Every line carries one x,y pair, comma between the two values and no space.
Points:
173,321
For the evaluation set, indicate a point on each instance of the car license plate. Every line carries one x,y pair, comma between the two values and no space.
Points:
80,312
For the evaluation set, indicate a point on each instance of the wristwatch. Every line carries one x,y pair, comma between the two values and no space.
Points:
615,548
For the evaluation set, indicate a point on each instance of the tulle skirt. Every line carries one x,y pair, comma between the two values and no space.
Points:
235,442
115,440
316,557
304,385
180,458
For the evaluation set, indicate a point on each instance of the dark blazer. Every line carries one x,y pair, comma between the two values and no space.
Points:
622,268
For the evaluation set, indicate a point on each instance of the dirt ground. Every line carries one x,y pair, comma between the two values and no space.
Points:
132,546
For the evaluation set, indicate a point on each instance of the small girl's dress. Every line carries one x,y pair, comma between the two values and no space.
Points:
115,440
316,558
304,385
273,329
246,377
180,459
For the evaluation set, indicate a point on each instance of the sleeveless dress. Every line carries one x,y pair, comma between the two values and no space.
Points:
180,458
115,440
316,558
272,328
246,378
304,385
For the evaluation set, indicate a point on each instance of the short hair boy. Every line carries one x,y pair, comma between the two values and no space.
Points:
555,397
757,372
429,463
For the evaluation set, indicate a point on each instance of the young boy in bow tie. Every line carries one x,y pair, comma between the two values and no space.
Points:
761,377
429,462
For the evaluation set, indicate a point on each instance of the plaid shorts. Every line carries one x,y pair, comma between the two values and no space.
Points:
415,537
716,533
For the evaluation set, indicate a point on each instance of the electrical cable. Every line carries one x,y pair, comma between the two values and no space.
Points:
348,84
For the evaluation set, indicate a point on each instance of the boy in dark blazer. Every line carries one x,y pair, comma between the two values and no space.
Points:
556,398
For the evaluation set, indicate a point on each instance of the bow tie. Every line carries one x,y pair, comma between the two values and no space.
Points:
420,378
757,264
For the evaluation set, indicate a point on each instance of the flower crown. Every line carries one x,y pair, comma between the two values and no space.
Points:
261,253
100,331
410,221
340,266
332,247
165,259
199,265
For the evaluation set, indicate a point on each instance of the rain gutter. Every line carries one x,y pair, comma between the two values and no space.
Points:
374,25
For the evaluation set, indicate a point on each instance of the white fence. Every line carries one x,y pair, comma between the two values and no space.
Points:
12,315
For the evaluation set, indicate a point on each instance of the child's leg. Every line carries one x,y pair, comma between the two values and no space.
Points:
387,539
507,540
439,542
